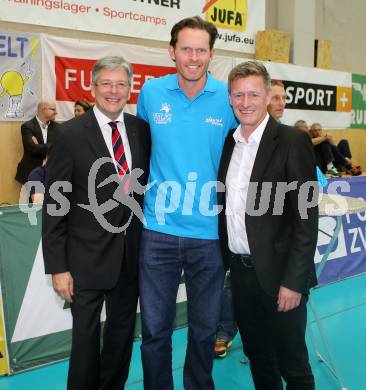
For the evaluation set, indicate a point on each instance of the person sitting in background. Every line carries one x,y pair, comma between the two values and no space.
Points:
326,149
81,107
277,103
323,153
302,125
37,135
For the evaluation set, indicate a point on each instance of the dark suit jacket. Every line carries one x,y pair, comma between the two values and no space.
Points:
282,246
77,242
34,154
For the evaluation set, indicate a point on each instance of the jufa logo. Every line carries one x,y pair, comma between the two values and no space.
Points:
227,14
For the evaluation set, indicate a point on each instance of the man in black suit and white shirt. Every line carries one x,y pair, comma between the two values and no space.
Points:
268,232
87,248
37,136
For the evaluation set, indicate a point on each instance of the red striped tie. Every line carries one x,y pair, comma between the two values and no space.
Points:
119,150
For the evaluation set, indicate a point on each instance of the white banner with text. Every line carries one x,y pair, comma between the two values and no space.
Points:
314,95
237,21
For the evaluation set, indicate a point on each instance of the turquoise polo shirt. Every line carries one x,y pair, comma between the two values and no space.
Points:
187,140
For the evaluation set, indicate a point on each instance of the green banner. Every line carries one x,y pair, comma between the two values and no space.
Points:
358,101
37,322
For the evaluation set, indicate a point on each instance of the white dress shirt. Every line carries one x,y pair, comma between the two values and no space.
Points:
44,128
103,121
237,183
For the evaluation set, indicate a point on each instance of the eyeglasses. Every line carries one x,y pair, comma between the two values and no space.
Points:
109,84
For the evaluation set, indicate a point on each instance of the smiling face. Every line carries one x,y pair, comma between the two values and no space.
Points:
111,91
192,55
278,102
249,99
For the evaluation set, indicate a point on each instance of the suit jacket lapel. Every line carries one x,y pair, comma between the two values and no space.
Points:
38,131
266,147
51,132
94,137
224,164
226,156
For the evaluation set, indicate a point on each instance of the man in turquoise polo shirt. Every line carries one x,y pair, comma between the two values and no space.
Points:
189,116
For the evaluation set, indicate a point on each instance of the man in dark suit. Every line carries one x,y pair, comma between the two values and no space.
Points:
37,136
268,232
90,234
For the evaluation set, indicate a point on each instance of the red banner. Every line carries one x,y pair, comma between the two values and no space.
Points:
73,78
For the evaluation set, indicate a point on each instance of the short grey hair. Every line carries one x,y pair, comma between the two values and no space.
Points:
249,68
112,63
299,123
316,124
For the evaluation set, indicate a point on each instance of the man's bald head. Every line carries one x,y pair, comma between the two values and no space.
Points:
46,110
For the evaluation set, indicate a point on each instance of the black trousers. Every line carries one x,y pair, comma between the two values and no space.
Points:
273,341
327,152
90,368
344,148
340,161
324,155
